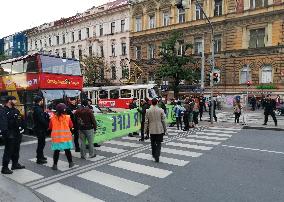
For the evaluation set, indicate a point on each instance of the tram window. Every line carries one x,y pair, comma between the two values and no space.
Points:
103,94
114,94
125,93
30,65
18,67
152,93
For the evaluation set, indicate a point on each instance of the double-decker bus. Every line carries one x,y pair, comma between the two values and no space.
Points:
119,96
52,77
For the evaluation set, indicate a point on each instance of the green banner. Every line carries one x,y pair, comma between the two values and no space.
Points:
112,125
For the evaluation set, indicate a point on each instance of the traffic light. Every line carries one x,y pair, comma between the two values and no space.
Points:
248,83
215,77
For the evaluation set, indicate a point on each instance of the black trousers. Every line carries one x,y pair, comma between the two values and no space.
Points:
179,122
56,156
76,139
237,117
156,144
272,114
11,151
200,114
143,130
195,117
41,135
214,115
186,121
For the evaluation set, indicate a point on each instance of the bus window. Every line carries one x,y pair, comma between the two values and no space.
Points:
7,68
30,65
18,67
72,93
53,97
114,94
125,93
103,94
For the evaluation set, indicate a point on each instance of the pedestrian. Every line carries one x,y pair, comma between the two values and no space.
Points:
90,104
11,129
190,118
133,105
237,111
144,106
61,136
269,109
214,109
71,109
162,105
179,111
195,111
219,102
41,121
87,126
155,123
201,107
186,114
253,103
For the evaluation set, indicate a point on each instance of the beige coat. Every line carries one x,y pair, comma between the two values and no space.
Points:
155,120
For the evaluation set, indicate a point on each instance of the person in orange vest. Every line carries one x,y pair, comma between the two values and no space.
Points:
61,136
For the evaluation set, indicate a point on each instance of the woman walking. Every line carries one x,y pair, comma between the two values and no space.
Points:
237,111
196,111
61,136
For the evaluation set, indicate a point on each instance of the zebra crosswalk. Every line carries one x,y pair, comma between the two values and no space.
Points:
130,171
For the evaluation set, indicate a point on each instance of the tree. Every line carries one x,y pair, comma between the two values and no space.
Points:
176,65
2,57
94,69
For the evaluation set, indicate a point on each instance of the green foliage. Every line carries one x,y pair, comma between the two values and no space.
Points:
93,70
2,57
176,67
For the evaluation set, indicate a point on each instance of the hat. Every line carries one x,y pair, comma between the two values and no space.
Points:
85,103
61,107
8,98
37,99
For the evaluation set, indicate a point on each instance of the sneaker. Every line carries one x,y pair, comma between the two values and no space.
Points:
141,140
147,137
130,135
157,159
83,157
6,171
96,145
71,165
54,167
18,166
77,150
93,156
41,161
264,124
44,158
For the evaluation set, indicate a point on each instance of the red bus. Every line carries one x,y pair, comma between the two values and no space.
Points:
119,96
52,77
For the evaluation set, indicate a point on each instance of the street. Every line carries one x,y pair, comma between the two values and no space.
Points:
220,163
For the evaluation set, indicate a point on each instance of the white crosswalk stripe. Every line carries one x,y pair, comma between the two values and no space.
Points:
219,131
163,159
114,182
138,168
198,141
111,149
62,193
213,134
189,146
180,152
121,143
207,137
232,129
62,165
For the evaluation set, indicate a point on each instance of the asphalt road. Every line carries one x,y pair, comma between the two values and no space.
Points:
203,165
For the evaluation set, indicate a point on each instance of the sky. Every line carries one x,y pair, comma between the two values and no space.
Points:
19,15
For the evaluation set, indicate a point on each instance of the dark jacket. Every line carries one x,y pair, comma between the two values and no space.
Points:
269,106
163,106
3,122
40,118
69,111
15,122
142,111
132,105
85,119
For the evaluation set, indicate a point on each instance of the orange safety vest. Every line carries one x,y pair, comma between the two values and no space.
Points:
60,129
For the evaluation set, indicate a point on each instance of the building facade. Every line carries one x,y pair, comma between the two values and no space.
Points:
248,40
102,31
14,45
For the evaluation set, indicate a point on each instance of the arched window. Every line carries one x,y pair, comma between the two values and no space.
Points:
245,74
266,74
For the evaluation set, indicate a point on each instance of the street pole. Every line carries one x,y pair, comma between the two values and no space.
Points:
202,64
213,61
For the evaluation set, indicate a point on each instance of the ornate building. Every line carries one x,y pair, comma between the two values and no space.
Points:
248,40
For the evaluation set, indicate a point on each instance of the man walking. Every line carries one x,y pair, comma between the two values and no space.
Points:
133,105
155,123
145,105
72,107
40,128
87,126
269,109
12,135
214,109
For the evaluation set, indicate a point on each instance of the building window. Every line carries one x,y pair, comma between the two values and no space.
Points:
181,49
181,15
49,41
88,32
50,52
151,21
112,27
113,72
102,51
79,35
122,25
101,30
90,50
258,3
57,40
40,43
138,26
166,18
80,53
257,38
113,50
63,38
73,52
63,52
266,74
123,48
198,12
57,52
218,8
217,43
151,51
73,36
138,52
35,44
245,74
198,46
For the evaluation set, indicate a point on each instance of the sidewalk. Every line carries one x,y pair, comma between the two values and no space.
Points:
11,191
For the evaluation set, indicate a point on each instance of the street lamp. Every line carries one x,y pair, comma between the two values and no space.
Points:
181,4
